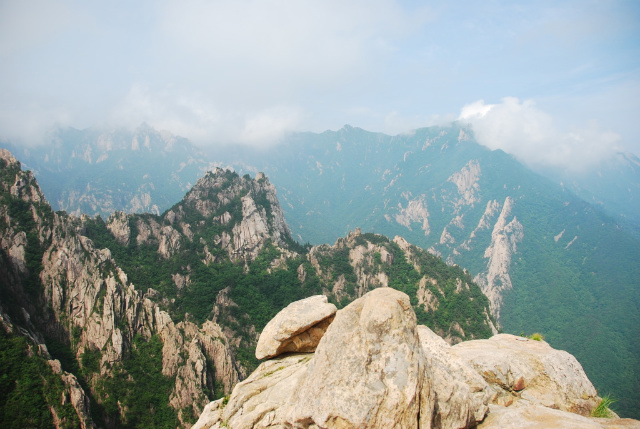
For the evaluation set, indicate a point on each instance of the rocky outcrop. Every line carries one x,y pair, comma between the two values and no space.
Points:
416,211
524,371
368,370
466,180
64,288
118,225
247,210
504,239
75,394
375,368
258,401
461,395
375,261
297,328
354,379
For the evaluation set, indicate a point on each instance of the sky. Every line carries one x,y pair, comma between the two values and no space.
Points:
552,82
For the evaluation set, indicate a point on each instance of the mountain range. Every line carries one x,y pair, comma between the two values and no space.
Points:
140,320
547,259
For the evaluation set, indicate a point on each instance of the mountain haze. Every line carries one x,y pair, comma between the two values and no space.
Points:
99,172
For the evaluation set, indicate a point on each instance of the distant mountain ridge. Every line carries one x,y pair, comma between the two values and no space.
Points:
613,186
95,171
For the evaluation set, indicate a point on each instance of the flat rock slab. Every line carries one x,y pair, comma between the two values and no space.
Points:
539,417
296,328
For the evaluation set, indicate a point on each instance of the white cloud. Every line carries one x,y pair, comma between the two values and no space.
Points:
199,119
268,125
530,134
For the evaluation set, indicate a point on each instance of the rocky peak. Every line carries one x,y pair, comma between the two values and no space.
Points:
247,211
375,367
60,288
8,159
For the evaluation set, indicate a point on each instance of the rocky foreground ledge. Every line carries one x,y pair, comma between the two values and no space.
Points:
375,368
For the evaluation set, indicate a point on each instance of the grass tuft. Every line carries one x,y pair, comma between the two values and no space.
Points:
602,410
536,336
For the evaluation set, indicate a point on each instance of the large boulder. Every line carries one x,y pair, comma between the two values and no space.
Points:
374,368
368,370
461,395
539,417
524,371
260,400
297,328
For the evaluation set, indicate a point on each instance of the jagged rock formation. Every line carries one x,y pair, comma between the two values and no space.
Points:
376,368
248,207
374,261
80,297
156,316
504,239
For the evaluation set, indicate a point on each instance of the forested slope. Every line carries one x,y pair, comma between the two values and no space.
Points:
143,318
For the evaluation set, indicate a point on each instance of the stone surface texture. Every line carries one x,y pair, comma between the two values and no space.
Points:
368,370
539,417
375,368
521,370
461,394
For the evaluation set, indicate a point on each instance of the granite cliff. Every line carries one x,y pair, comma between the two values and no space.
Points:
59,290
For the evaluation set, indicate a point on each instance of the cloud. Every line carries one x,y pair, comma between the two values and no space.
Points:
199,119
231,71
243,70
530,134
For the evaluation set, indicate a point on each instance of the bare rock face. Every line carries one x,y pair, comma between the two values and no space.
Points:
537,416
461,394
374,368
118,225
76,395
260,400
525,372
504,239
297,328
368,370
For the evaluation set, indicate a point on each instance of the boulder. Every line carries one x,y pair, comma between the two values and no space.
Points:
461,394
258,401
297,328
374,368
539,417
368,370
525,371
